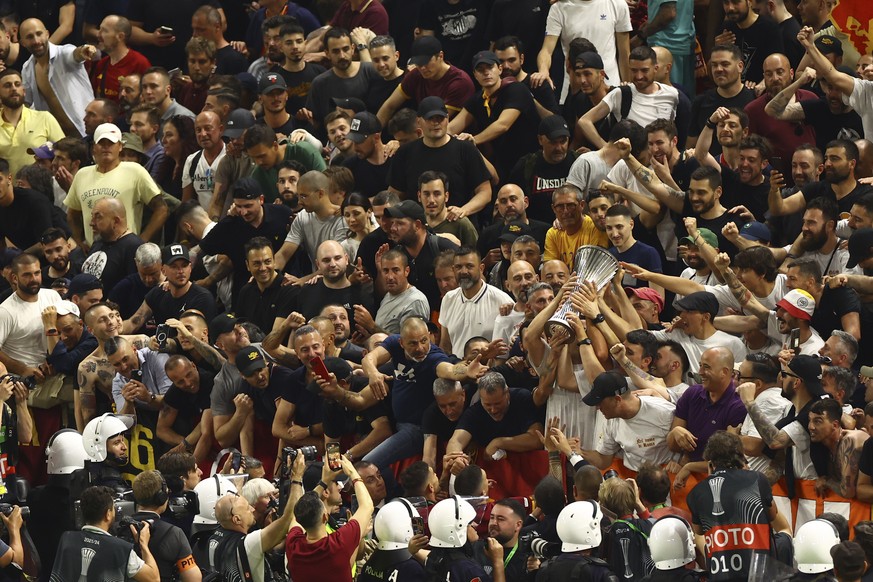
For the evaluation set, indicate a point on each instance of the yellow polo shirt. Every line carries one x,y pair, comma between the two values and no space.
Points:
563,246
33,130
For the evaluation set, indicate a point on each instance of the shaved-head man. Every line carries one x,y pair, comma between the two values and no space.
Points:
201,166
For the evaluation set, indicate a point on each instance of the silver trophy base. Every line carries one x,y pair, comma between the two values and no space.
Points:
553,325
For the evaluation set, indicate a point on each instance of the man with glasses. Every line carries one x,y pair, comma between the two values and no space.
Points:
763,371
577,228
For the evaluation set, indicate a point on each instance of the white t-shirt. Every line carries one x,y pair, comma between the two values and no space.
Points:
641,438
803,467
596,20
832,263
309,231
774,407
588,171
727,300
22,334
677,391
694,347
466,318
645,107
204,175
691,275
859,100
808,348
506,326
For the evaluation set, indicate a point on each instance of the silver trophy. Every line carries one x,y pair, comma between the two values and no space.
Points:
594,264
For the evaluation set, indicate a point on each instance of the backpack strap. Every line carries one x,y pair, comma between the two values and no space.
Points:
192,169
627,98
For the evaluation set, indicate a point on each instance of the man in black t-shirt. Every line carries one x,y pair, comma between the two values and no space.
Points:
441,417
334,287
732,509
298,73
370,164
384,55
756,37
184,402
264,301
513,210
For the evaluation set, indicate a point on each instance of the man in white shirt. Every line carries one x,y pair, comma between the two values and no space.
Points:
519,279
636,426
472,308
762,370
198,173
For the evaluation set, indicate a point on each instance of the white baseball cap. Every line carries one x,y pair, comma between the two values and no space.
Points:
65,307
108,131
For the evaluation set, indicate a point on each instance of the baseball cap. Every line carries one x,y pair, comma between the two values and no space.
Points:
860,244
485,57
848,557
589,60
607,384
648,294
362,126
7,255
247,189
249,82
703,301
222,324
172,253
808,369
271,82
513,230
237,122
44,152
423,49
553,127
133,142
798,303
829,45
249,360
755,231
108,131
82,283
352,103
431,107
705,234
65,307
406,209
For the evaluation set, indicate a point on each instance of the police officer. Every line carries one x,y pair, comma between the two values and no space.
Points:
106,448
92,554
168,543
205,532
579,529
812,550
392,560
51,507
671,544
449,524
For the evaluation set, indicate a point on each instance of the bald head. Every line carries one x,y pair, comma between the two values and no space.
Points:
112,207
33,36
313,180
665,63
778,74
413,326
332,261
721,356
224,509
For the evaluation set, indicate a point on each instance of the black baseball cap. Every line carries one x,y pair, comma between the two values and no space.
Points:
513,230
808,369
82,283
431,107
606,385
352,103
270,82
554,127
485,57
589,60
172,253
829,45
362,126
222,324
703,301
247,189
860,244
249,360
237,122
423,49
407,209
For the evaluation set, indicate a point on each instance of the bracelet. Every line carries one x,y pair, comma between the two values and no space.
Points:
186,443
600,318
710,124
356,481
296,482
52,332
322,484
586,341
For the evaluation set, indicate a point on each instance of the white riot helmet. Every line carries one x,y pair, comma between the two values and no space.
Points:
209,491
393,524
579,526
100,430
65,452
448,521
812,546
671,543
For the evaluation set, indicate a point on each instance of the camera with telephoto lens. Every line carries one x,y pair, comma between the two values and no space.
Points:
532,543
124,532
28,381
163,333
6,509
183,505
610,474
289,455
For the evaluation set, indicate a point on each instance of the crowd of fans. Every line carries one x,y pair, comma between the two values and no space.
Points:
332,249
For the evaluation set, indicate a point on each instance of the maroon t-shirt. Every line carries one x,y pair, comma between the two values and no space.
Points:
455,87
784,136
330,556
105,77
373,16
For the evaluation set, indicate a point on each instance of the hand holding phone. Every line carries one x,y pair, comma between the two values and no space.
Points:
319,368
794,340
334,460
166,30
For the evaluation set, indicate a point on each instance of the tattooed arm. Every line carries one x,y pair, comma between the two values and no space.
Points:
772,436
640,377
210,355
137,320
848,458
745,298
668,196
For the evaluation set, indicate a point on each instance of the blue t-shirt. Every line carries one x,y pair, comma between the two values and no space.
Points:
412,389
639,254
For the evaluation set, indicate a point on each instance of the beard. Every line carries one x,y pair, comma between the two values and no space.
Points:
466,282
814,241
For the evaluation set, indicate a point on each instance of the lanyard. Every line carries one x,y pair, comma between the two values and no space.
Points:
509,557
633,527
659,506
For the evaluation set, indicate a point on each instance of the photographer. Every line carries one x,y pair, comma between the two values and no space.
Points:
311,550
504,525
168,543
264,497
93,554
182,474
579,530
189,336
17,427
239,554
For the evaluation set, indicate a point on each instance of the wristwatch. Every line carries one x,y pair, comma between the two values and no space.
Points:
599,318
361,46
584,342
